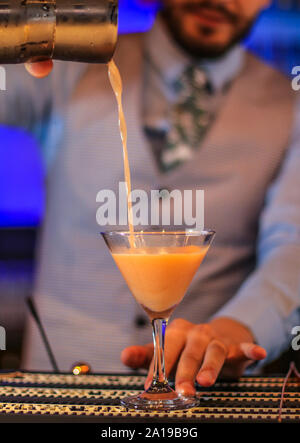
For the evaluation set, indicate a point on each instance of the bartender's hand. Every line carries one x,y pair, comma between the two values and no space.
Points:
199,352
39,69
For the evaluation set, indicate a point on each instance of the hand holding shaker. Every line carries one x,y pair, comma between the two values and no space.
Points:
73,30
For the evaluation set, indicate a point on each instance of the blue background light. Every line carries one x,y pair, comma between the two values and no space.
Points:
21,179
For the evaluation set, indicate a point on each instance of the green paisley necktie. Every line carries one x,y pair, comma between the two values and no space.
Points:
189,118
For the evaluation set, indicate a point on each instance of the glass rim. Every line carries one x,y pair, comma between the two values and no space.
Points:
190,233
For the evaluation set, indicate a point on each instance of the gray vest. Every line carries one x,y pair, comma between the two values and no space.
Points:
86,306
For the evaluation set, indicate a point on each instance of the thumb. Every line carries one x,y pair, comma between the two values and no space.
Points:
137,356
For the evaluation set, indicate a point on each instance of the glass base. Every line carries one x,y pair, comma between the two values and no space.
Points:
159,400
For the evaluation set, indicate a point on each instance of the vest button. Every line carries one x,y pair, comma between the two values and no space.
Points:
140,321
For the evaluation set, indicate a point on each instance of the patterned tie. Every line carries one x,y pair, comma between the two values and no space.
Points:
189,119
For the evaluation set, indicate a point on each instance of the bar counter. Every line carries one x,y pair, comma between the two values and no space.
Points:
34,397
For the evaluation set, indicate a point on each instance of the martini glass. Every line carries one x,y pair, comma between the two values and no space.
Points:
158,268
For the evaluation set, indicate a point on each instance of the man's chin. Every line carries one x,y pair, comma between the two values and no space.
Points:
211,44
209,50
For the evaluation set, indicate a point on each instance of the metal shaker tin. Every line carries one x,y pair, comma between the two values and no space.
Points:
74,30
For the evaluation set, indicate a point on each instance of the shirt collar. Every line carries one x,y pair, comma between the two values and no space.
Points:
170,60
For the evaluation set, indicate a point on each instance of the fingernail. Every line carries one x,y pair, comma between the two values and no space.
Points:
206,378
185,389
259,352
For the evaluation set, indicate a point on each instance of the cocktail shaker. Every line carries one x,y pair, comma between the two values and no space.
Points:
74,30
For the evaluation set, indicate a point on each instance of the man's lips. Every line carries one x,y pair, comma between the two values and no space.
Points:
209,17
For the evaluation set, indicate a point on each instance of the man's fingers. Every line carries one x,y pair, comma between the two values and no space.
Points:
174,344
39,69
214,360
149,378
137,356
245,351
190,361
252,351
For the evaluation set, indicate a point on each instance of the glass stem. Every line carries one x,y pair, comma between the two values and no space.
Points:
158,330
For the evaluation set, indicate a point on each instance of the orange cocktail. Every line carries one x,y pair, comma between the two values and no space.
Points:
159,277
158,268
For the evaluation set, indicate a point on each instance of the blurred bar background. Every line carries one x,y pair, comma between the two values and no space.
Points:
275,38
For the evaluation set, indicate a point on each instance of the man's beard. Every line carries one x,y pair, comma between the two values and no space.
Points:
200,50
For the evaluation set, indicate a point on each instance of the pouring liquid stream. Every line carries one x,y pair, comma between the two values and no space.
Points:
116,84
